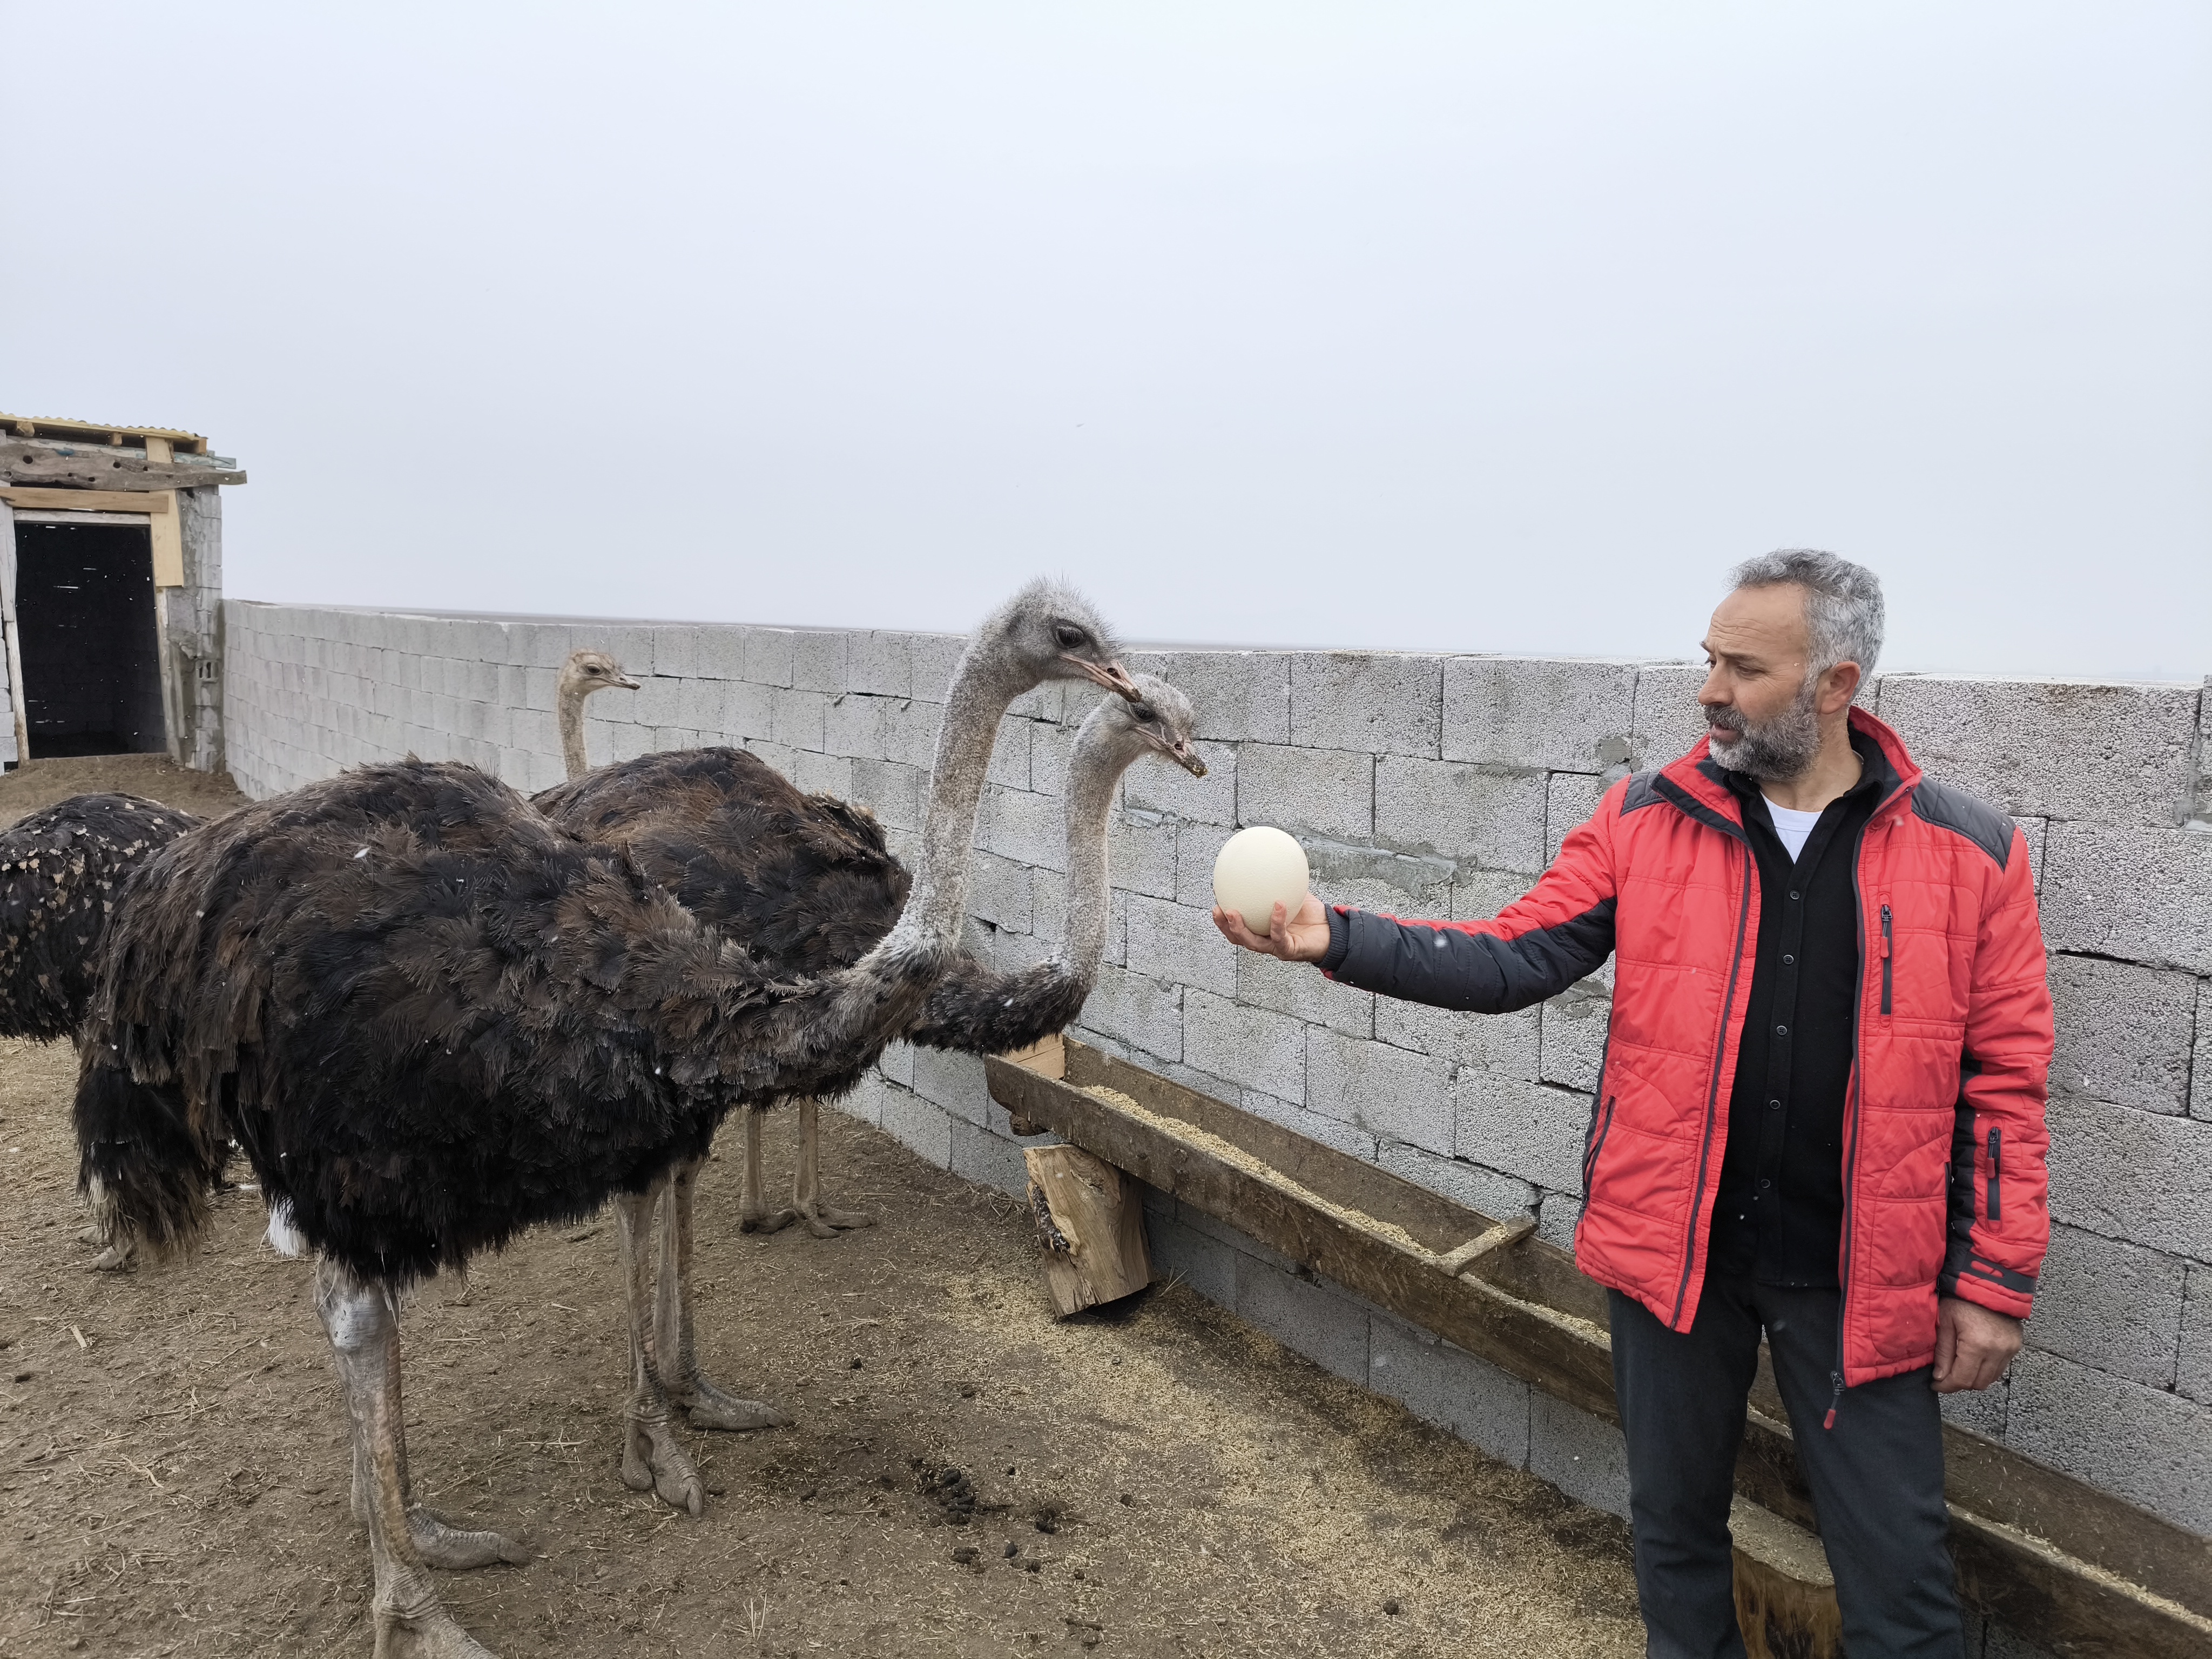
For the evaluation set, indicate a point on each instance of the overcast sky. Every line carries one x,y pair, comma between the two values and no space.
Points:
1474,327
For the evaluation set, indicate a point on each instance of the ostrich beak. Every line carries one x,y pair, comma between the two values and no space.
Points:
1187,757
1115,677
623,683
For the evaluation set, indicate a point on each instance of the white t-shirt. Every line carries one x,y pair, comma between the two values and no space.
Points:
1792,826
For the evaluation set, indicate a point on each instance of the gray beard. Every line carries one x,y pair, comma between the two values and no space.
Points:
1773,751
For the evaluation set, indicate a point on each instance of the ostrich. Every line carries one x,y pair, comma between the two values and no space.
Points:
806,884
432,1018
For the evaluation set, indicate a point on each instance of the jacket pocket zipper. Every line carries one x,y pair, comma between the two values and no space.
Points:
1996,1149
1597,1145
1885,958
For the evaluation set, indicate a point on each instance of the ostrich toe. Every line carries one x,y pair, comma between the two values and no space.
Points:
457,1549
710,1406
425,1631
825,1221
653,1462
762,1219
115,1258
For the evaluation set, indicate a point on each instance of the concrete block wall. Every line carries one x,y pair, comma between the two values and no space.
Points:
1425,785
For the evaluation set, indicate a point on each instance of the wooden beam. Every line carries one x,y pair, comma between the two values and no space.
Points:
168,527
1093,1228
2049,1553
158,452
102,468
89,501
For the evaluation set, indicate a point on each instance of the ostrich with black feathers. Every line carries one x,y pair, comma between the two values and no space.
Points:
432,1018
806,884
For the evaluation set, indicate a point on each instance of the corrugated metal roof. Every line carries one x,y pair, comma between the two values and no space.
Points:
53,426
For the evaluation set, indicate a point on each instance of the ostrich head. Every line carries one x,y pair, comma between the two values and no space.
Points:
1157,721
587,672
1050,632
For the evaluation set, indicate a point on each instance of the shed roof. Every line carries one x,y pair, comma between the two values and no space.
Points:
50,426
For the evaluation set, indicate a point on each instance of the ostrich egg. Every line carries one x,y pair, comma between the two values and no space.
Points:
1257,869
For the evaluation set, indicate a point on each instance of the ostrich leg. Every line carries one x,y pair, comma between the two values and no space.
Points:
806,1180
753,1214
651,1459
705,1404
364,1335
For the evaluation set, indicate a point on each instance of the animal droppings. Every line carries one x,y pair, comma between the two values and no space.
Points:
1012,1550
1390,1605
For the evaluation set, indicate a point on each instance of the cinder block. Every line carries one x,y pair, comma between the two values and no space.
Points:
1177,943
1449,1388
1301,991
2130,1175
818,658
893,792
1251,1047
1491,819
865,1101
1299,1120
954,1081
999,891
1377,700
1207,1265
2111,1306
748,712
918,1125
1010,754
1558,1214
1669,720
1325,1325
1393,1093
1551,713
700,704
1237,695
2152,1448
1146,1014
1983,1411
1503,1045
718,652
2034,829
2200,1086
897,1063
1325,792
2124,1033
2060,748
822,774
1050,703
1379,878
1158,785
975,1154
1024,827
2143,895
1584,1456
770,654
1574,1027
1141,853
1500,1197
2193,1373
880,662
853,726
1570,797
1050,748
798,719
675,650
910,733
934,656
1528,1129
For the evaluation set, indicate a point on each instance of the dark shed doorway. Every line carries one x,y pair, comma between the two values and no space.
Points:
92,661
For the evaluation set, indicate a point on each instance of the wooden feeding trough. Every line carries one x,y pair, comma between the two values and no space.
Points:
2084,1572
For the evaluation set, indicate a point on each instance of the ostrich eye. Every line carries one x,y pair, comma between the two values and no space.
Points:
1143,711
1069,635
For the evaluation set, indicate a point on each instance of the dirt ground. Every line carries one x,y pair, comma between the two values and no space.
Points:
40,783
1163,1480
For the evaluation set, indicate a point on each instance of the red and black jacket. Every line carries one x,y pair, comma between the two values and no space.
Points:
1944,1184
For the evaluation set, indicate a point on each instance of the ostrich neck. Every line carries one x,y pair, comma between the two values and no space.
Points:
571,715
980,692
1092,777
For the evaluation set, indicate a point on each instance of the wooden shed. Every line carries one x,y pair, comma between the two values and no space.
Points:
111,592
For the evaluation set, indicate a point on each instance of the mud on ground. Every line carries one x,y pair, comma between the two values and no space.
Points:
173,1466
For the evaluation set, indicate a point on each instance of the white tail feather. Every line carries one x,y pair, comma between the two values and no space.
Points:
283,1237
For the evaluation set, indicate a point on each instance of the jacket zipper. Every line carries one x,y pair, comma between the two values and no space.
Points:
1996,1147
1885,958
1712,1093
1597,1145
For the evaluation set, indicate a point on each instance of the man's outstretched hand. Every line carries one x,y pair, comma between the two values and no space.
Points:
1302,938
1973,1345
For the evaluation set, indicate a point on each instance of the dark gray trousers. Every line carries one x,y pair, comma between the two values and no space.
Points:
1877,1476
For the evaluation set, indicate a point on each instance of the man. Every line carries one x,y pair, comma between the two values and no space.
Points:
1819,1114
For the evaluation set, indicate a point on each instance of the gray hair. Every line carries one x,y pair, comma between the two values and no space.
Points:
1843,603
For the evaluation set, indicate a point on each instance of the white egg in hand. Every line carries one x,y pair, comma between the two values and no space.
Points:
1257,869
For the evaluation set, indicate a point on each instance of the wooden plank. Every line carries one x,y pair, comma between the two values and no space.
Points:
168,536
89,501
2090,1569
158,452
1093,1223
88,469
10,633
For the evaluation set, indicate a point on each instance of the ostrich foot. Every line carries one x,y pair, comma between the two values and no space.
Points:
425,1630
653,1462
825,1222
442,1544
115,1258
761,1219
709,1406
461,1298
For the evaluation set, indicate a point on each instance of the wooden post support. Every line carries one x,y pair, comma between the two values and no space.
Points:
1785,1596
1093,1227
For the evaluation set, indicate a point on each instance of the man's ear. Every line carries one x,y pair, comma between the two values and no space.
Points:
1837,686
